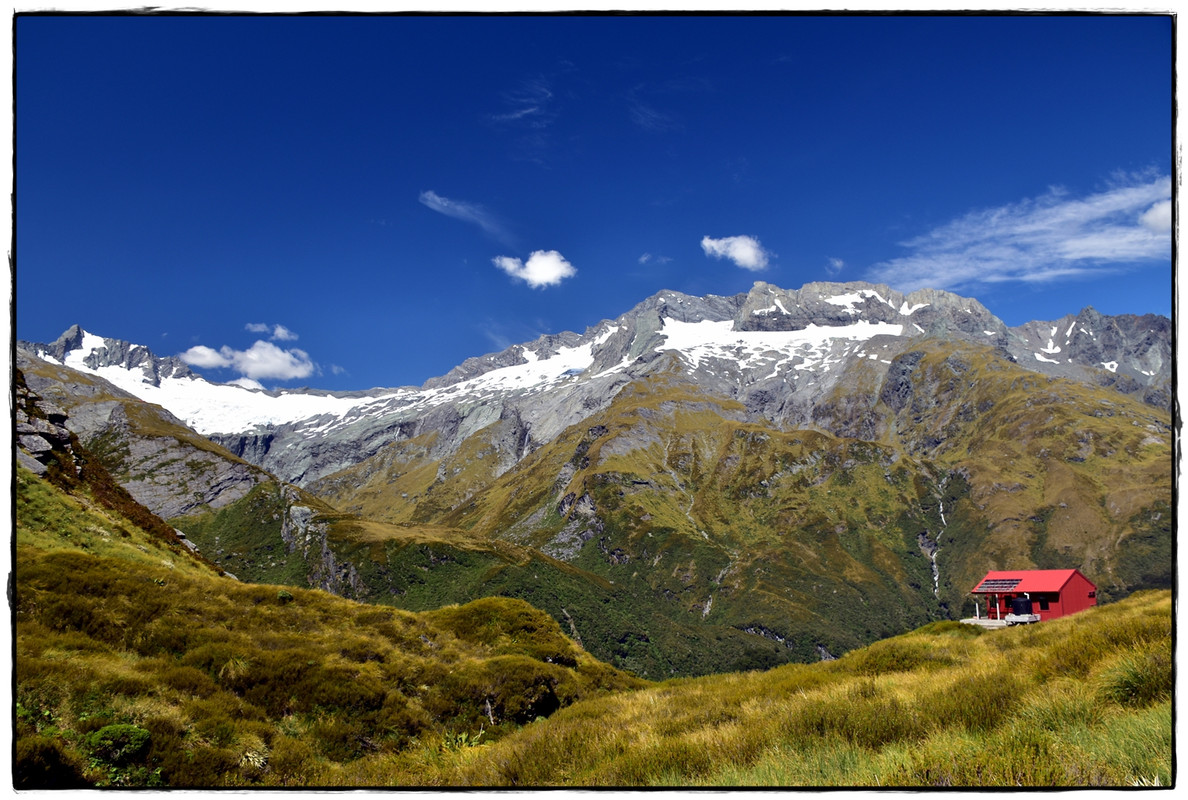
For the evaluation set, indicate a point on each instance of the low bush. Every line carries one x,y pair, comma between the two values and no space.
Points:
118,745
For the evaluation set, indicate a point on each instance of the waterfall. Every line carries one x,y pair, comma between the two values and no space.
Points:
935,550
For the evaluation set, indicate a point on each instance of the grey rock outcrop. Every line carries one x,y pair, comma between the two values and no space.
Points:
164,466
42,438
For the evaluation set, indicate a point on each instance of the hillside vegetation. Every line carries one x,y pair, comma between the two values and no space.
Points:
1081,701
765,545
137,665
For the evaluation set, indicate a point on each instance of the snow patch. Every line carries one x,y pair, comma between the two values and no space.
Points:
847,301
907,310
1038,357
1112,366
697,341
90,343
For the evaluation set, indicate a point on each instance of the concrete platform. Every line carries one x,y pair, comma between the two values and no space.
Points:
986,623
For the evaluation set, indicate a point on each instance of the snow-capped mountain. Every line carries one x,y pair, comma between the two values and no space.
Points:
779,352
698,484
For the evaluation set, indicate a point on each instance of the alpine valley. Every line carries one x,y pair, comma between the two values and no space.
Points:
702,485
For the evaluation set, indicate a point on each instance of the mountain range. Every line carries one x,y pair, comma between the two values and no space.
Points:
701,484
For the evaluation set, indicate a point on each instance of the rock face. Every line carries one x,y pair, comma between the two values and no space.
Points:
114,353
42,438
1128,353
165,466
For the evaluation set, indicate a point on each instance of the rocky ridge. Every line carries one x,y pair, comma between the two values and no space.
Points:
782,353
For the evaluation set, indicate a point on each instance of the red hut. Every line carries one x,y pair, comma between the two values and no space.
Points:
1032,595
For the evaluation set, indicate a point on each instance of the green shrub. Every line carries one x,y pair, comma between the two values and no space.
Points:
118,745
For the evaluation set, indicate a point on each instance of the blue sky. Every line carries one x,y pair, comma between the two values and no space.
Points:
348,202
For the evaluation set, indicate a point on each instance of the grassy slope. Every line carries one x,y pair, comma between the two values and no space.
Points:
138,665
1081,701
136,668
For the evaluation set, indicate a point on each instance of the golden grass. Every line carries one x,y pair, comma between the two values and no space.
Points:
932,708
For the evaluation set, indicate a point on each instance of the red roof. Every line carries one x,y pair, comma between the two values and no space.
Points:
1027,580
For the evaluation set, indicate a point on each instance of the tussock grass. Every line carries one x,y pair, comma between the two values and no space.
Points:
133,673
988,710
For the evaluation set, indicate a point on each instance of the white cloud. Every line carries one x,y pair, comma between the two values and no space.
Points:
262,360
1158,218
544,268
467,212
744,251
275,332
835,266
1049,238
202,356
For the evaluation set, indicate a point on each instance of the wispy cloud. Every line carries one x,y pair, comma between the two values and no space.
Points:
263,360
503,333
543,268
528,104
744,251
835,266
648,103
467,212
528,114
1049,238
277,333
650,119
647,258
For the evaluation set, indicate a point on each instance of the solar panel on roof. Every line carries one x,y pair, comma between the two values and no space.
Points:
998,584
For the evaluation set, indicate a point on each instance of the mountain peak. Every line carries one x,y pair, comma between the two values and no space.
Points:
779,351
